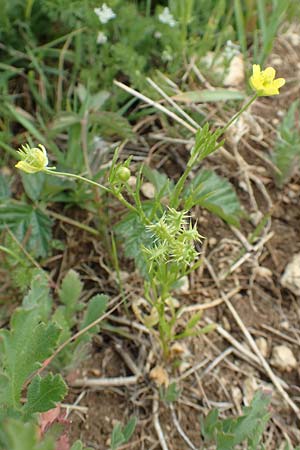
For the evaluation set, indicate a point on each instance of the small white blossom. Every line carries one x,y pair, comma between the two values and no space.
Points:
101,38
167,18
166,56
231,50
157,34
104,13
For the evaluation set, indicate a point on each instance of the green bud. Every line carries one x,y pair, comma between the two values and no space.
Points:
123,174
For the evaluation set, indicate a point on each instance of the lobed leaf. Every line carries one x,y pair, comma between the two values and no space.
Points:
30,222
214,193
286,154
69,294
96,308
44,393
24,347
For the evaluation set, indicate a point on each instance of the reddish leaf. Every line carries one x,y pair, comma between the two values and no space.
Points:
63,442
46,419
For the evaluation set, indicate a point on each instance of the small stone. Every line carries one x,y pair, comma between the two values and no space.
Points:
291,277
148,190
212,241
256,217
263,272
132,181
237,395
294,38
172,302
236,72
283,358
262,345
122,274
285,324
250,387
183,285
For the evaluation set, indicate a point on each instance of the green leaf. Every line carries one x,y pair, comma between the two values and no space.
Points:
24,347
44,393
77,446
171,393
248,428
4,188
214,193
33,184
96,308
128,430
111,124
64,121
27,220
160,181
286,155
207,95
194,320
247,425
38,295
209,424
69,294
134,236
225,441
117,437
120,435
17,435
206,142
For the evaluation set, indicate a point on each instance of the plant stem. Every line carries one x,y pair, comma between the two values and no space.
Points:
179,186
237,115
77,177
118,195
73,222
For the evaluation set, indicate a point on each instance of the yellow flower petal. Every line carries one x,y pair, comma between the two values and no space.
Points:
26,167
264,83
269,74
279,82
33,159
256,70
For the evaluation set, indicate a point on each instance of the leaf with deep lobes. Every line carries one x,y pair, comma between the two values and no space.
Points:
44,393
24,347
214,193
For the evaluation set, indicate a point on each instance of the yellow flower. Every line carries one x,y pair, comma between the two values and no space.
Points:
264,83
33,159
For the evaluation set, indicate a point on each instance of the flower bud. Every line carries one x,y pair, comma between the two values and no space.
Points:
123,174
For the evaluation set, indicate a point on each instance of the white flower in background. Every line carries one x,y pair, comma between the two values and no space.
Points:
166,56
157,34
101,38
167,18
231,50
104,13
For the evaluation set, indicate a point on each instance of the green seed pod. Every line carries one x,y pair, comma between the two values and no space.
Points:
123,174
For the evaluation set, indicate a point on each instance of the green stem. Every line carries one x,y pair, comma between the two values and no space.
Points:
118,195
73,222
11,253
28,9
237,115
179,187
77,177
